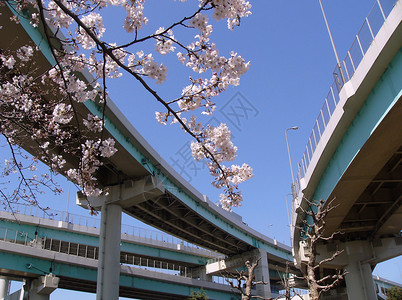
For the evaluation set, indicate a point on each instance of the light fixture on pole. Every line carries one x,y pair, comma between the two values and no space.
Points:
332,42
290,159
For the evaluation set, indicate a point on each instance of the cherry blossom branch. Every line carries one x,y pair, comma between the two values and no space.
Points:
60,68
110,53
181,22
23,179
201,56
9,206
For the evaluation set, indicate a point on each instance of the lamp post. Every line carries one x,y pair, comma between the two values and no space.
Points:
332,42
287,209
290,159
289,215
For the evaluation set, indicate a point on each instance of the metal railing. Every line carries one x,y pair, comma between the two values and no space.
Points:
52,214
14,236
91,252
138,232
347,68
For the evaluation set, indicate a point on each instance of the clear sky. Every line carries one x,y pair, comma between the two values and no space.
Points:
291,71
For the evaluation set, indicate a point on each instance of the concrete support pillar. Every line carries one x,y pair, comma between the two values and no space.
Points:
4,284
201,273
24,291
36,296
126,194
261,273
21,294
109,253
207,277
41,288
359,280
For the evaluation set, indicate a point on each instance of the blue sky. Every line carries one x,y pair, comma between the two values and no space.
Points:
290,75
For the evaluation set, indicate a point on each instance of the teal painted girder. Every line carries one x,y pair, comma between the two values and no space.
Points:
33,32
382,98
90,240
41,266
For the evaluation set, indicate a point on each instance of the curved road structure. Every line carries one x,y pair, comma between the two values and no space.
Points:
354,155
35,246
151,265
144,186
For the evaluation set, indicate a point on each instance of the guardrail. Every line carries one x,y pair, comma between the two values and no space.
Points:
343,73
56,215
90,252
14,236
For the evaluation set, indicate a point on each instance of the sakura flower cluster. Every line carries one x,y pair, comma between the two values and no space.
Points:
216,142
40,110
76,33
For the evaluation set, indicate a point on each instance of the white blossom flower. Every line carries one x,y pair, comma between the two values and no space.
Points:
62,113
8,61
107,148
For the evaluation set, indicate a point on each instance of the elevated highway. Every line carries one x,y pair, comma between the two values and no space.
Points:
144,186
33,242
354,155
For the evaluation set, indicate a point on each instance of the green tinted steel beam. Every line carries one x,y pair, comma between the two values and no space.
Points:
90,240
382,98
33,32
9,261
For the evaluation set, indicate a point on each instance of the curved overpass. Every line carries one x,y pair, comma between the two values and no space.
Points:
144,186
33,242
354,156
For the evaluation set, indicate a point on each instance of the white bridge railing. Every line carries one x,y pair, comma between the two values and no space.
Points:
91,252
56,215
11,235
342,74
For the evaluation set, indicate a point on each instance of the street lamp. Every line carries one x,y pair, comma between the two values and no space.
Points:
290,159
332,42
287,209
289,214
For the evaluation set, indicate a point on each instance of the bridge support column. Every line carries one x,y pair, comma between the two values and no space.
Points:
261,273
109,253
126,194
4,283
201,273
359,281
40,288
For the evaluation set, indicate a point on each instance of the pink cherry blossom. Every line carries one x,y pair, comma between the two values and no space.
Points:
46,103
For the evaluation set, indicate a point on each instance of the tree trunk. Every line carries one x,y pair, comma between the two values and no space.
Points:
312,282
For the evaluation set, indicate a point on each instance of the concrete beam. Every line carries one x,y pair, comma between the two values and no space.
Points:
374,252
227,264
127,194
359,259
201,273
37,289
45,285
261,272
